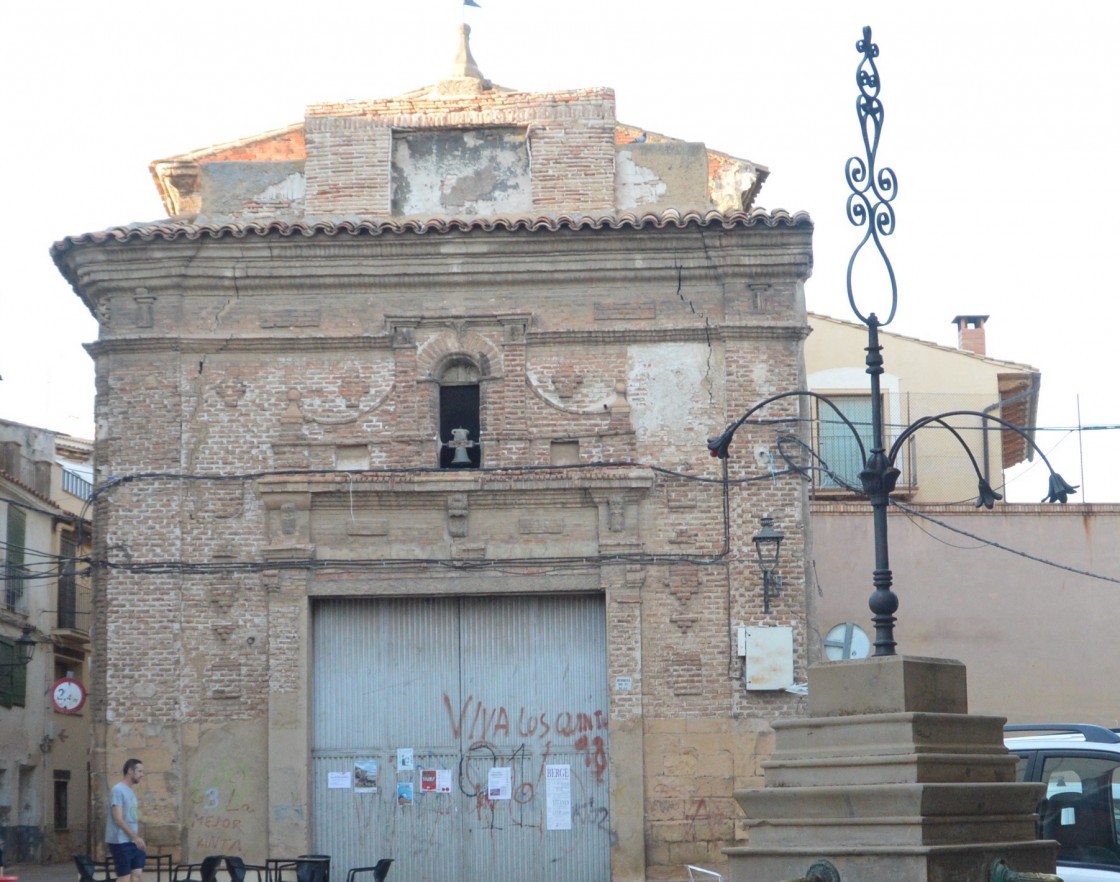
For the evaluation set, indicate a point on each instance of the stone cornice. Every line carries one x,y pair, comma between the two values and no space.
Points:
384,342
240,261
596,477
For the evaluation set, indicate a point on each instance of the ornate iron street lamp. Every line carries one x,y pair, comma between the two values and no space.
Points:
767,547
25,649
869,205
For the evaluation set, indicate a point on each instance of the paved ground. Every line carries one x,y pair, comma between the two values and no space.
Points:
65,872
43,872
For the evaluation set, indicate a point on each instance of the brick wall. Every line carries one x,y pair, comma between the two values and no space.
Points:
268,353
570,139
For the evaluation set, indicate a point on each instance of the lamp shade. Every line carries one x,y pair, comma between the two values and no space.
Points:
25,646
768,545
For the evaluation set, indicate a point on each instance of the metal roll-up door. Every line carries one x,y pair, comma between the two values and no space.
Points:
411,697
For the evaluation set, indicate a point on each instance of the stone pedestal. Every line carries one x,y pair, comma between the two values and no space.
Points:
890,778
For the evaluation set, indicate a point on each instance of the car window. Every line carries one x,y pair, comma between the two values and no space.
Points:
1080,809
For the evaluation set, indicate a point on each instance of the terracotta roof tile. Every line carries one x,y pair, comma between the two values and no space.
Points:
169,230
173,229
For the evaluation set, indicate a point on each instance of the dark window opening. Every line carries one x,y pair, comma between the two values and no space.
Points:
61,805
13,675
67,583
459,409
15,573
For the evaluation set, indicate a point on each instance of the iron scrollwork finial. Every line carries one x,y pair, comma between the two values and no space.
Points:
873,189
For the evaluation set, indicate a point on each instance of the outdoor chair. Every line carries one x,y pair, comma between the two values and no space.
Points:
207,871
238,869
379,870
304,868
88,869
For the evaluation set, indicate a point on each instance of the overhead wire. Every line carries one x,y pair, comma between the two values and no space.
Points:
784,442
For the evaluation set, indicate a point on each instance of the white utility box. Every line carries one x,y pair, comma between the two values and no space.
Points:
768,657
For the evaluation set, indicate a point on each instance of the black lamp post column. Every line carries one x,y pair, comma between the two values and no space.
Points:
878,480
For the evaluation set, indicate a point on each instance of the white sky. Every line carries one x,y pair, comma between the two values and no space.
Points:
1002,124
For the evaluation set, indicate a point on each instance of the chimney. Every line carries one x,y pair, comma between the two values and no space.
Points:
970,333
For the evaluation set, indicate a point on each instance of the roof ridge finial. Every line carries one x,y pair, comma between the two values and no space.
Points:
465,65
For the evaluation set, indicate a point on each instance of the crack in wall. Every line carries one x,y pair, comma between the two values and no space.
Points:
707,322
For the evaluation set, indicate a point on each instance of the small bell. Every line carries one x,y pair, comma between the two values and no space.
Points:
460,440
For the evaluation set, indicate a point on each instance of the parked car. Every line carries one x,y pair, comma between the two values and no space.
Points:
1080,765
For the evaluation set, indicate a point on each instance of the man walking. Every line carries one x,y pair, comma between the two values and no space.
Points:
122,829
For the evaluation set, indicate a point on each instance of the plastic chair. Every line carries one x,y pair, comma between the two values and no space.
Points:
88,869
207,871
380,870
237,869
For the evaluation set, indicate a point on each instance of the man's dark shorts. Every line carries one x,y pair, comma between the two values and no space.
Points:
126,857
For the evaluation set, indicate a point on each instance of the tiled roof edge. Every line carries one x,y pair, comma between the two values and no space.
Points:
172,229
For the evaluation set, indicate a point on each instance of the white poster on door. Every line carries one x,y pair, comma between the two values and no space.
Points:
499,783
558,797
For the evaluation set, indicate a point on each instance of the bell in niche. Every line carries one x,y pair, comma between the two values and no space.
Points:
460,441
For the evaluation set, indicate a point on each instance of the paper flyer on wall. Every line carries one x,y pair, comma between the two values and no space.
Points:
435,780
405,761
499,783
404,793
338,780
558,797
365,776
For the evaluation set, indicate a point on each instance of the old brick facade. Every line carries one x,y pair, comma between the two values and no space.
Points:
269,374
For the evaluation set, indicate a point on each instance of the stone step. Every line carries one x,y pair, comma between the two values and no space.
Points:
899,863
912,830
889,800
923,768
908,732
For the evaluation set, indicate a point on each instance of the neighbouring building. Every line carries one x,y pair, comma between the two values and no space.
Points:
920,379
44,736
407,539
972,583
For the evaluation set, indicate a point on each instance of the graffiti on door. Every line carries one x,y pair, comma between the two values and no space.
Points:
474,720
541,736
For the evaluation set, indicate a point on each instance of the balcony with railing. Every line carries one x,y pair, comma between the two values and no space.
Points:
933,468
74,593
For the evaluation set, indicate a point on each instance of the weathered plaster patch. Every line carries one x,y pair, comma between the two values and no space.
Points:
461,172
635,184
669,388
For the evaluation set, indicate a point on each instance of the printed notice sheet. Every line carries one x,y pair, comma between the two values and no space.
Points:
338,780
435,780
499,783
558,797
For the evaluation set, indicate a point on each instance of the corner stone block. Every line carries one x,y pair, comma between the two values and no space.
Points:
888,684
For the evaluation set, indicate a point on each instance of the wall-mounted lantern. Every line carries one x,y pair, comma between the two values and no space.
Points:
768,545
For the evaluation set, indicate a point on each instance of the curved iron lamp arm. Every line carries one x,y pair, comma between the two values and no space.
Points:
1059,489
986,496
718,445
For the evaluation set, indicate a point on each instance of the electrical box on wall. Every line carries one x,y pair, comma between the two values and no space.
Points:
768,657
